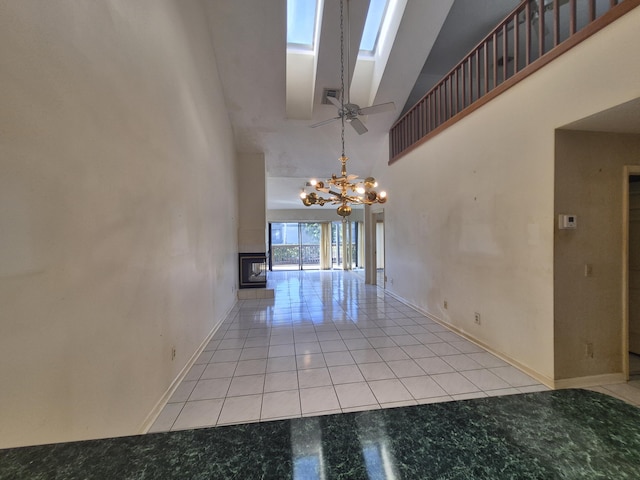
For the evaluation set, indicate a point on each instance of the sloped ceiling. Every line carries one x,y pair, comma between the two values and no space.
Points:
249,39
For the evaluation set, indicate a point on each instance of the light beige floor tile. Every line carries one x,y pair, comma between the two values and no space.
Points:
454,383
251,367
202,413
387,391
345,374
354,395
254,353
357,343
392,353
209,389
246,385
181,394
226,355
318,399
405,403
418,351
281,404
369,355
240,410
405,368
487,360
219,370
333,346
167,417
513,376
461,362
280,381
310,360
485,380
423,387
195,372
305,348
282,350
281,364
315,377
376,371
381,342
434,365
333,359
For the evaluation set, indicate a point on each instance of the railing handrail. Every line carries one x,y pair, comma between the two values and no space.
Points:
439,108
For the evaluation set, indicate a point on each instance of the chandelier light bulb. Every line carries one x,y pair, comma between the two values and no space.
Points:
303,194
313,182
383,194
360,190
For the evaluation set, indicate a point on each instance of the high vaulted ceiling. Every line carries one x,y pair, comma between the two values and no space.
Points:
249,38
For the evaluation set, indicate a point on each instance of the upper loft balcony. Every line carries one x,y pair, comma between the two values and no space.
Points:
530,37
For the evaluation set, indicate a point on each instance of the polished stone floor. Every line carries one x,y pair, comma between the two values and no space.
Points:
566,434
328,343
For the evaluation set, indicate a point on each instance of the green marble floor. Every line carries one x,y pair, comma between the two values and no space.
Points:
567,434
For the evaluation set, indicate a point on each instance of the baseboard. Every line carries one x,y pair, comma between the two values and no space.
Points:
160,404
590,381
548,382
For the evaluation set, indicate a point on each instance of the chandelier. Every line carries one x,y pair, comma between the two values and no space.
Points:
344,190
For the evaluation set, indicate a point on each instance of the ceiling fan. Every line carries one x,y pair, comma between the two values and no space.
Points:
347,111
351,112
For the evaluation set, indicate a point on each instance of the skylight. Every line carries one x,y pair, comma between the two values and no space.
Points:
372,26
301,23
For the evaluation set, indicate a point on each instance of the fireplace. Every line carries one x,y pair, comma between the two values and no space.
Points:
253,270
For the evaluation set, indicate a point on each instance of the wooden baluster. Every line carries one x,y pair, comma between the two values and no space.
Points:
540,28
495,59
505,52
485,54
572,17
527,22
556,23
592,10
516,42
478,73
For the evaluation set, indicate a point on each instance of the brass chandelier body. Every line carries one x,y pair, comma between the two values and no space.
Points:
344,190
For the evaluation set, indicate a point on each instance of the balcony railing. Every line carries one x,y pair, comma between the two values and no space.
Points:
535,33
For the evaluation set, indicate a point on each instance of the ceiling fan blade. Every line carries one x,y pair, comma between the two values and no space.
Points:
382,107
324,122
335,102
358,126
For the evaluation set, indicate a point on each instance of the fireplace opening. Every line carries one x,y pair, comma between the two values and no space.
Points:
253,270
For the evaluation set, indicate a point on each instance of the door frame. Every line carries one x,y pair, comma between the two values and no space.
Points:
628,171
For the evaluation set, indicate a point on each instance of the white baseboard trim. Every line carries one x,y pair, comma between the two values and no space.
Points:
548,382
590,381
160,404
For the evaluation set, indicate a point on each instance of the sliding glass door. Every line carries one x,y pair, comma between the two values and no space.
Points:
313,246
295,246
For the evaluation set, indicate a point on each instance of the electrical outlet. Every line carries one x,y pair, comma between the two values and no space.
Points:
173,353
476,318
446,305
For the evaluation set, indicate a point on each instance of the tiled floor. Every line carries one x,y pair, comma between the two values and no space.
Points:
328,343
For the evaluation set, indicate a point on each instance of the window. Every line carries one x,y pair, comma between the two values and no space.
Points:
372,26
301,23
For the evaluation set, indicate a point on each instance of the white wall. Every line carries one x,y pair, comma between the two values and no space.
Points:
470,216
252,209
117,211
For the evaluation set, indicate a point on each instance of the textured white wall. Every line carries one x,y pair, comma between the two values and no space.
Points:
470,217
117,211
